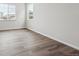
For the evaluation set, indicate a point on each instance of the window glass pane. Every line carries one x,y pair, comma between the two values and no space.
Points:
3,11
12,12
7,11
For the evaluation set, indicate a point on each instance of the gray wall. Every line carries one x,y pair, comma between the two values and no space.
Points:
15,24
58,21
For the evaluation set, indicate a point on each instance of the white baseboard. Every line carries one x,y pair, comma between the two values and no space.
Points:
11,28
71,45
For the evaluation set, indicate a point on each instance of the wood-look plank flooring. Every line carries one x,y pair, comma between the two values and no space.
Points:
28,43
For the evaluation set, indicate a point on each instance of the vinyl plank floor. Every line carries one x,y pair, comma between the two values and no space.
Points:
23,42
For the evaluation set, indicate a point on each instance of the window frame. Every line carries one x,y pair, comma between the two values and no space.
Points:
8,12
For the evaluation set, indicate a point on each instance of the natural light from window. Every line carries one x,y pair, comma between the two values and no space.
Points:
7,11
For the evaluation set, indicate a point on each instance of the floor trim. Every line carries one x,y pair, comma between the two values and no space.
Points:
11,29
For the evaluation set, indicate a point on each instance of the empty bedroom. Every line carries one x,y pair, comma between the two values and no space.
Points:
39,29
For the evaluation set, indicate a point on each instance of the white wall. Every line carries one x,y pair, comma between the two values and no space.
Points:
20,18
59,21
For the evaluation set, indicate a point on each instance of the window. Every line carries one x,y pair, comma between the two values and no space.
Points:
7,11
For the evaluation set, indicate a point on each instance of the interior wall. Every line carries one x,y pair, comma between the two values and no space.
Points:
56,20
20,19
